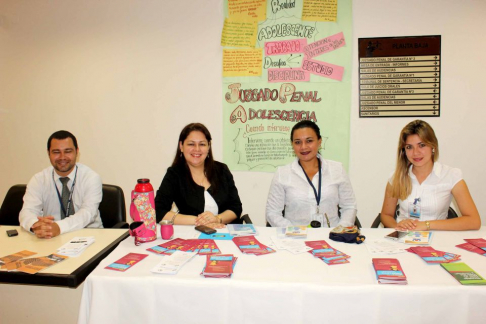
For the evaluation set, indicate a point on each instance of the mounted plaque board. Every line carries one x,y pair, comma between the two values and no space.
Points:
399,76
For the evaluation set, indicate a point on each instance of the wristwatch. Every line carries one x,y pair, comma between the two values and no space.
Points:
428,225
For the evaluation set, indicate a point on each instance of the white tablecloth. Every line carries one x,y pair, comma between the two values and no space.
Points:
286,288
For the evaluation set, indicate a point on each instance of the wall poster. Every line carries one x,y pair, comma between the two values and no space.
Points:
284,61
399,76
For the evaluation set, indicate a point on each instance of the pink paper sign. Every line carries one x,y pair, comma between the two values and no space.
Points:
290,46
323,69
325,45
287,75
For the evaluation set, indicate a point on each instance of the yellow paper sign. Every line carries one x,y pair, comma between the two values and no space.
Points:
246,62
248,9
239,33
319,10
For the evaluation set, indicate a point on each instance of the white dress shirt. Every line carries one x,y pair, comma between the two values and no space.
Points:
291,190
41,199
435,193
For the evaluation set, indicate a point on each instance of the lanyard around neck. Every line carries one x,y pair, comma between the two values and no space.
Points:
66,210
316,193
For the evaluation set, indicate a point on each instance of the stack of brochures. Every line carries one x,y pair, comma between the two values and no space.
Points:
464,274
474,245
241,229
431,255
215,236
389,271
417,237
250,245
14,257
328,254
200,246
76,246
219,266
171,264
33,265
296,231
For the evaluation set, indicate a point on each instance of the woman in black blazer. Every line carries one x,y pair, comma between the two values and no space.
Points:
202,189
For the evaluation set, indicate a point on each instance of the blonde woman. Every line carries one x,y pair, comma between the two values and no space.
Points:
424,188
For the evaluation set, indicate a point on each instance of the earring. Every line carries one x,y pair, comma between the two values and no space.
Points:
181,153
433,151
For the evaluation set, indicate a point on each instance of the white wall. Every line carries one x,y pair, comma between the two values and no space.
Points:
125,76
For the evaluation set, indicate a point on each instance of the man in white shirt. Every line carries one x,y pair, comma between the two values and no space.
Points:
64,197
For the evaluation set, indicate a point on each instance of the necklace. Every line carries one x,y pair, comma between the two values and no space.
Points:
201,180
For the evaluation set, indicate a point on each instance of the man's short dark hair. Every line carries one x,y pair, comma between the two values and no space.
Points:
60,135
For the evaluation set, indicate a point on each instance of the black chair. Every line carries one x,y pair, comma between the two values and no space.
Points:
112,207
244,219
451,213
12,205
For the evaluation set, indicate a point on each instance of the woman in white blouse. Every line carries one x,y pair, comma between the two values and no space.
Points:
310,189
424,188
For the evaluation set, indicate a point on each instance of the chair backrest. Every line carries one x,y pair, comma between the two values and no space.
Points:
451,213
12,205
112,207
244,219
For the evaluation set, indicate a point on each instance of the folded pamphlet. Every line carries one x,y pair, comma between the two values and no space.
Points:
322,250
15,257
219,266
241,229
76,246
296,231
250,245
389,271
34,265
417,237
200,246
431,255
464,274
126,262
171,264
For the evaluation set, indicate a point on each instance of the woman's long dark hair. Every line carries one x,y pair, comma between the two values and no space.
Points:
209,165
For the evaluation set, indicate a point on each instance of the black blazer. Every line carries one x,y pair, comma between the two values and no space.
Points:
178,187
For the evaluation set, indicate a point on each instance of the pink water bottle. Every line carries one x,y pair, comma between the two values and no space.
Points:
142,209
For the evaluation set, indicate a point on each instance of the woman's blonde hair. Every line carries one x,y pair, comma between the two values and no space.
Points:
401,183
